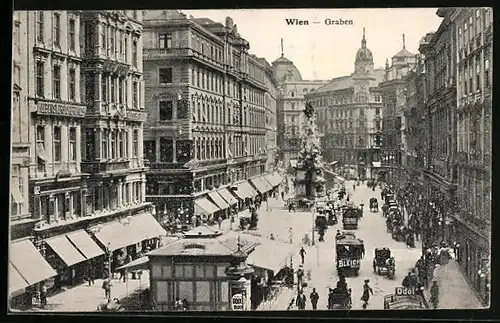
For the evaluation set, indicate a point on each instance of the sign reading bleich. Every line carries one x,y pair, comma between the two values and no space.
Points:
403,291
348,263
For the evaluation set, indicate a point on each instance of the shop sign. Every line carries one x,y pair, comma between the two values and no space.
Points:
403,291
58,109
237,302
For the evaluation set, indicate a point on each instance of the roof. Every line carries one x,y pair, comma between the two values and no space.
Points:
202,231
225,245
346,82
404,53
204,21
285,70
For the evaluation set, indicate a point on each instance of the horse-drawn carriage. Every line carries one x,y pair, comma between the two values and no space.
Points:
373,205
339,300
383,263
349,251
350,217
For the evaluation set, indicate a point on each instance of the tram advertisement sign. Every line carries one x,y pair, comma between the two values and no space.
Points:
403,291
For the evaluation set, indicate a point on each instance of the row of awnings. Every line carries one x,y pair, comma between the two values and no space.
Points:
223,198
28,267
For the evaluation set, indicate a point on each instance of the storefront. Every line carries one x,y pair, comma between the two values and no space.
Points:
219,201
27,270
128,236
71,255
275,180
245,193
205,209
261,186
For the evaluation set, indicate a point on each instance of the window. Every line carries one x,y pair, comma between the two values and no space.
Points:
40,147
125,47
293,106
113,144
113,40
56,82
72,34
166,110
112,98
104,144
134,53
487,72
72,144
104,87
40,79
166,150
166,75
57,144
478,75
89,144
135,94
57,29
39,26
72,85
135,143
460,37
165,41
121,85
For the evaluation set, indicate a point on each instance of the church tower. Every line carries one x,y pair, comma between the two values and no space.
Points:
363,72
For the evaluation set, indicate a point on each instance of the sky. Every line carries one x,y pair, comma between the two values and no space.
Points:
323,51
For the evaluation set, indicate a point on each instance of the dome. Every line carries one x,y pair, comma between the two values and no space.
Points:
284,70
364,54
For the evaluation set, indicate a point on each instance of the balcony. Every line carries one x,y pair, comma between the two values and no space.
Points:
105,166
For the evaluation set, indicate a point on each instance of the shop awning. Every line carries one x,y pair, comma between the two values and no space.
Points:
40,151
227,196
261,185
119,234
218,200
204,206
148,226
274,179
245,190
136,265
16,194
65,250
271,255
85,244
16,281
29,262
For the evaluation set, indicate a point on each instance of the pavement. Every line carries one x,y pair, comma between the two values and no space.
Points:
454,291
85,298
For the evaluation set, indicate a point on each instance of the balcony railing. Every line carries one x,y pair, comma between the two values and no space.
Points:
98,167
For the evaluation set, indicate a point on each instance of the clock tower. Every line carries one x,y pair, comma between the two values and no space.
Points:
363,72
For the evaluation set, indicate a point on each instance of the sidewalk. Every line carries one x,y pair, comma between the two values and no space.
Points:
85,298
454,291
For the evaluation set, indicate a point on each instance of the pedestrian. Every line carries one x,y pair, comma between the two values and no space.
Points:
366,293
301,301
300,276
91,273
282,195
219,220
302,253
420,292
43,294
314,299
272,237
434,294
106,285
185,304
178,306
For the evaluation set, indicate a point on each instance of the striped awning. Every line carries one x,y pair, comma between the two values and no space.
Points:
204,206
228,196
30,264
218,200
85,244
63,247
261,185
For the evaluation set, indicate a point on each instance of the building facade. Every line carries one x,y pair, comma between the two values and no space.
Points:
290,105
349,117
473,35
270,98
81,126
440,66
394,101
206,127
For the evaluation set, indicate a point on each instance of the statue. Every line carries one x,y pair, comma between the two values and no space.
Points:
309,111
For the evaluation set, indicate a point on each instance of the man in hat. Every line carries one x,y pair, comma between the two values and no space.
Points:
314,297
302,253
434,294
331,298
300,276
367,290
301,300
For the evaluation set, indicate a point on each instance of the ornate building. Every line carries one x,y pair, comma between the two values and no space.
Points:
440,67
349,112
394,101
206,127
291,104
471,31
84,135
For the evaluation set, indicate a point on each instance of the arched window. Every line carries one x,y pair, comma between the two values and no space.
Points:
292,94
